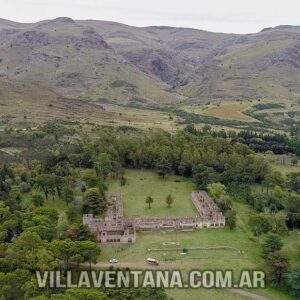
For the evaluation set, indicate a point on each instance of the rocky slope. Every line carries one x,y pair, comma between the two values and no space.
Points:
110,62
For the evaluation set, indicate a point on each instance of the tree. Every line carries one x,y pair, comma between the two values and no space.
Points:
278,266
116,169
25,187
273,179
224,203
293,281
103,165
278,191
169,200
278,222
204,175
259,224
103,188
153,294
11,284
50,213
63,250
82,188
46,183
293,211
149,201
206,129
90,178
10,224
123,181
37,200
23,253
163,167
67,194
294,181
58,184
77,259
32,290
137,293
272,203
40,224
72,213
79,232
216,190
231,218
81,294
271,244
94,201
89,250
46,260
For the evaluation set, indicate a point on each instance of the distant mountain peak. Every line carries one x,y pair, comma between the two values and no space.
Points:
266,29
63,20
283,27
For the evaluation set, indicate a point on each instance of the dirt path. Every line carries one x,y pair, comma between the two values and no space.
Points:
145,266
247,294
7,152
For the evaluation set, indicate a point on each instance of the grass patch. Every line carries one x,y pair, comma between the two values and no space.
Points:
141,184
229,112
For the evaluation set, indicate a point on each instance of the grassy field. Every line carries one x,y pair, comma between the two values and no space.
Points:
28,106
247,112
140,118
232,111
282,163
141,184
227,110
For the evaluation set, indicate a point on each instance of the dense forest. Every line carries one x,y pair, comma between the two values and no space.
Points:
58,159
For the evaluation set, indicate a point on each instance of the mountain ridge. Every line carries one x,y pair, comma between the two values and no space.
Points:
151,66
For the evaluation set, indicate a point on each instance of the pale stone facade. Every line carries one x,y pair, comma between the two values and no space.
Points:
115,228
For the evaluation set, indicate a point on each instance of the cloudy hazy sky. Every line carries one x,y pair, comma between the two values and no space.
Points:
238,16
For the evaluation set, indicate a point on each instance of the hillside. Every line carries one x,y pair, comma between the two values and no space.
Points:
30,104
75,61
114,63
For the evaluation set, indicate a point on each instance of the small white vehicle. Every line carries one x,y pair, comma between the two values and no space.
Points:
113,261
152,261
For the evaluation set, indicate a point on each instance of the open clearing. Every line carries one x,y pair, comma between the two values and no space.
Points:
229,112
140,118
141,184
134,255
282,163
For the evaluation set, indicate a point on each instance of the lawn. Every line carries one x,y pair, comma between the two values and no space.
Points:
145,183
134,255
141,184
204,259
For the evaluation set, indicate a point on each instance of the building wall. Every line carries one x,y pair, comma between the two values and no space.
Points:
115,228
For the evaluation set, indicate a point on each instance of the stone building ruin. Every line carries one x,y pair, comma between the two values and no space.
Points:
115,228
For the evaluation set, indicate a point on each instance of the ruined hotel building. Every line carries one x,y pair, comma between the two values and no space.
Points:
115,228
